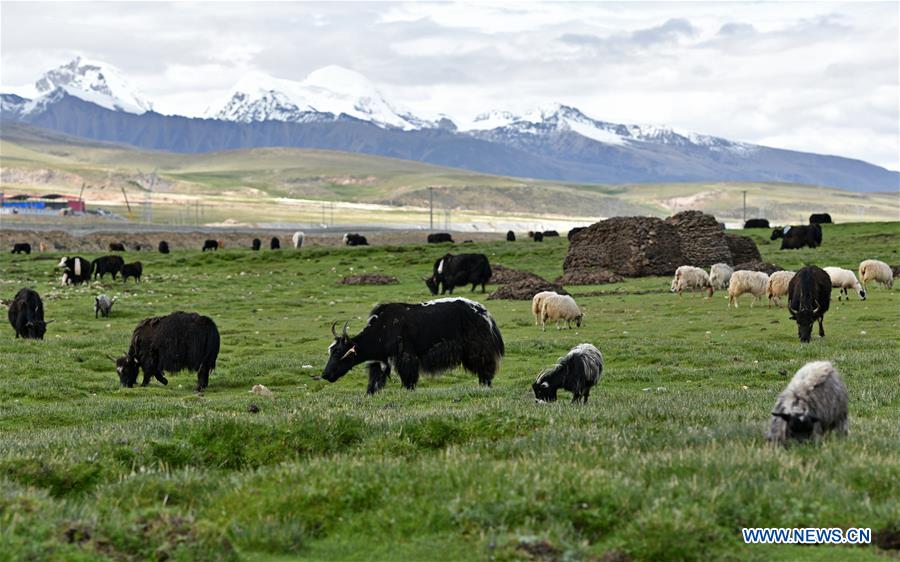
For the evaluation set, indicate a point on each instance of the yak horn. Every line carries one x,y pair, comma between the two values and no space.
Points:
344,331
816,309
332,329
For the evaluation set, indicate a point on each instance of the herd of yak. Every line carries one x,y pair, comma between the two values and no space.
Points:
439,335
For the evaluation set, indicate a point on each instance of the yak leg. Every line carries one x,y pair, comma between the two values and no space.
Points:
481,362
202,378
408,369
378,374
821,328
148,373
160,377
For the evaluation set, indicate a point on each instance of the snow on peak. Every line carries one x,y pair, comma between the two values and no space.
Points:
95,82
330,90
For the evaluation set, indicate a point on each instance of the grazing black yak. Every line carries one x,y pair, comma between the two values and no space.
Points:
452,271
26,315
809,296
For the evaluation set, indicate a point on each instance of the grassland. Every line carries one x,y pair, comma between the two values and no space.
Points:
289,185
666,462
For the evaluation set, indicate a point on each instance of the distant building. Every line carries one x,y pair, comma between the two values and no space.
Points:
52,203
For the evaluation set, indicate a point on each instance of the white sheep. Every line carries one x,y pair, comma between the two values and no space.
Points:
813,403
876,270
844,279
297,239
720,275
536,302
778,286
688,277
753,282
560,307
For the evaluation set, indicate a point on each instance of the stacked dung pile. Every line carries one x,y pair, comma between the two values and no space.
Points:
643,246
502,275
595,276
701,239
758,265
369,279
525,289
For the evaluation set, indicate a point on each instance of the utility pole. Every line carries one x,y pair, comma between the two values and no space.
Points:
430,208
745,205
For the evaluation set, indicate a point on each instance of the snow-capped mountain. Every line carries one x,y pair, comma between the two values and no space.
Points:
325,95
558,118
95,82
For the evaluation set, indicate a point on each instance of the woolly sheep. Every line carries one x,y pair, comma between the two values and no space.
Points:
560,307
742,281
813,403
778,286
876,270
577,372
720,275
688,277
536,302
844,279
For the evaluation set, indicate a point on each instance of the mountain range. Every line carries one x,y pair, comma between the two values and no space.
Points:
339,109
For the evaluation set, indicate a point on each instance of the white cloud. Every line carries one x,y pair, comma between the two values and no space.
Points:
807,76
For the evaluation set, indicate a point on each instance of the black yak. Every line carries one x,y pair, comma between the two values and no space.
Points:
439,238
820,218
181,340
538,236
210,245
255,246
510,236
163,247
21,248
26,315
795,237
107,264
132,270
757,223
578,371
275,243
574,231
76,270
809,296
430,337
550,234
351,239
452,271
116,247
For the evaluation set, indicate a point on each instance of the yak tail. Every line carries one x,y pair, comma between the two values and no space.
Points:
487,272
498,339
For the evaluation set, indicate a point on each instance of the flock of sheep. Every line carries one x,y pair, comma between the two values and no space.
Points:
722,277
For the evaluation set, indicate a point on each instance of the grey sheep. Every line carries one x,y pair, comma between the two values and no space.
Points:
102,305
814,403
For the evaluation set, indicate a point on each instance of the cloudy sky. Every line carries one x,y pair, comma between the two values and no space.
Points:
808,76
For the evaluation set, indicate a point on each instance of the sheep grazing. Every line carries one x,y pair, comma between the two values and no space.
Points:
720,275
876,270
297,239
844,279
559,308
814,403
778,286
578,371
537,302
103,305
688,278
753,282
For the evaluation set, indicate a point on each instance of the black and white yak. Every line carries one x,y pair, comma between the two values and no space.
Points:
578,371
809,296
108,264
430,337
452,271
795,237
439,238
76,270
212,245
26,315
179,341
21,248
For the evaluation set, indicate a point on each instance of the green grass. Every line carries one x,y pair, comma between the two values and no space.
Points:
666,462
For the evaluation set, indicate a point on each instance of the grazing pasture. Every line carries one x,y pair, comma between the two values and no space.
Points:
667,461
